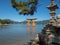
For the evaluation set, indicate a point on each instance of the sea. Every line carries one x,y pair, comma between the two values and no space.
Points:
18,34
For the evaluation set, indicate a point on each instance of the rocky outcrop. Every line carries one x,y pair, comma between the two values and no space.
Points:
50,35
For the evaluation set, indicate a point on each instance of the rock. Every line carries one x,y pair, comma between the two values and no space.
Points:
58,21
50,36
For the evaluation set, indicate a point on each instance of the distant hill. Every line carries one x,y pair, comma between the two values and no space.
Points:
7,21
42,22
23,22
37,22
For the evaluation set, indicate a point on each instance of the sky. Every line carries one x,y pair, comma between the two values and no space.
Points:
42,13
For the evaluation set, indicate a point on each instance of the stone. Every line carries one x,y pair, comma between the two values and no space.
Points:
58,20
50,34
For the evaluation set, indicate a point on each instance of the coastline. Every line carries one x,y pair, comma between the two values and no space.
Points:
3,24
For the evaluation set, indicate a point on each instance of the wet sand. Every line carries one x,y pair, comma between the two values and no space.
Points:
14,42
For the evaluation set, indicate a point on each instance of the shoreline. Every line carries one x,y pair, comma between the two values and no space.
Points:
3,24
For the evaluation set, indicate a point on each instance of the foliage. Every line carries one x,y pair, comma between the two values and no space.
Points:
6,21
25,8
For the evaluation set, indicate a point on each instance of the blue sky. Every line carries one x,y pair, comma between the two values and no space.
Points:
8,12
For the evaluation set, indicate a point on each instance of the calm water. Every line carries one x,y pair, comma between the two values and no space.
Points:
18,34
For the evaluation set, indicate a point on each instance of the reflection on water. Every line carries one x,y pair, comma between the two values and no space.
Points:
33,29
3,27
30,31
17,34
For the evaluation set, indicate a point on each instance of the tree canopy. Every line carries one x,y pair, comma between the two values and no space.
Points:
25,8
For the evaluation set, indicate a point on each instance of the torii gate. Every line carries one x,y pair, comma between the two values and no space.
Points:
31,21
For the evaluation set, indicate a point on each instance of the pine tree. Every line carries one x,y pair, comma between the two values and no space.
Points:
25,8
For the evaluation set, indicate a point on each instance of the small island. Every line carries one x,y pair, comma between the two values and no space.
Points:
4,22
